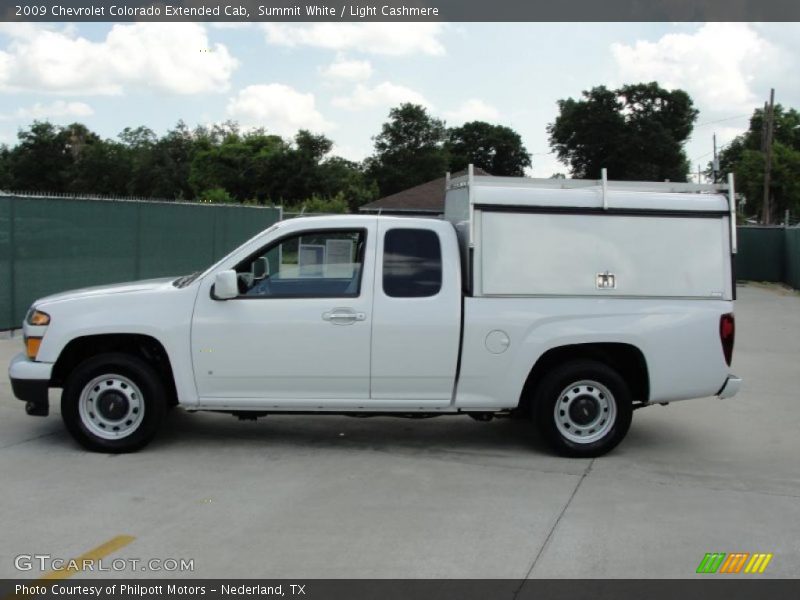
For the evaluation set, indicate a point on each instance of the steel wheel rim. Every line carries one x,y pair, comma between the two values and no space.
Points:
111,406
585,411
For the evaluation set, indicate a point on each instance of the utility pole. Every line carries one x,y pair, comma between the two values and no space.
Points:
769,123
698,174
715,163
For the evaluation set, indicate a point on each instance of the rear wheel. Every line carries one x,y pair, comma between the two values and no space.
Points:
583,408
113,403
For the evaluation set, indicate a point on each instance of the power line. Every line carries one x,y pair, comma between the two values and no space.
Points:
711,151
720,120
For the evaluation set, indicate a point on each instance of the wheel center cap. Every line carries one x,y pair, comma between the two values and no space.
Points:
583,410
112,405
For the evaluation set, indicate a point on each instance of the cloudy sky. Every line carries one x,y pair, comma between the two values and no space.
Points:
342,78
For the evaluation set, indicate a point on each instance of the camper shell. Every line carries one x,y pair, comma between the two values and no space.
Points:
568,237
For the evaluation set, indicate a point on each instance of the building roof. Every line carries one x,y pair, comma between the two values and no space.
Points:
426,198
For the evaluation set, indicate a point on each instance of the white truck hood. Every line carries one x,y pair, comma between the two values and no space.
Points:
105,290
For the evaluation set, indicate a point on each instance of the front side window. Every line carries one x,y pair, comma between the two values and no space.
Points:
322,264
412,263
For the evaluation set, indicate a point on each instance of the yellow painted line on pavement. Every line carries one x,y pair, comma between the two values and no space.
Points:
95,554
76,565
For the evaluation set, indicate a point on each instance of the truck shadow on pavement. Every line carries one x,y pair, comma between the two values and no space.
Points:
292,432
447,437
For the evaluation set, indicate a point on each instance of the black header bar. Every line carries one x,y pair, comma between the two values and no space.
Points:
399,10
706,587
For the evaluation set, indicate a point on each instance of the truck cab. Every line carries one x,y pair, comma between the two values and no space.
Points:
360,310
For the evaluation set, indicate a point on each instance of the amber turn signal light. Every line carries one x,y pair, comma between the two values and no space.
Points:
32,346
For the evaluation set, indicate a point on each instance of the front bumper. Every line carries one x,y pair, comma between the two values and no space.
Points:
30,381
731,387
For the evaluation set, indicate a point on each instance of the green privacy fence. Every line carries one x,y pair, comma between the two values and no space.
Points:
792,258
49,245
769,254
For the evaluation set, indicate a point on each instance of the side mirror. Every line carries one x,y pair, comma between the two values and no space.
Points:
260,268
226,285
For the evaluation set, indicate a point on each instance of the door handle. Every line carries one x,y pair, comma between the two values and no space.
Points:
343,316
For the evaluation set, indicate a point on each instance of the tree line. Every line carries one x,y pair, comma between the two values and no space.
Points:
225,163
636,132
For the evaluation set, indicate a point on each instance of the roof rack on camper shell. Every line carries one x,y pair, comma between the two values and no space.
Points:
470,191
469,178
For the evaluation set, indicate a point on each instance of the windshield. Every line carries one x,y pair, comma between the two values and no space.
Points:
182,282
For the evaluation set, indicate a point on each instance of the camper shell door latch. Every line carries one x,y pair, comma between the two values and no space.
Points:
606,281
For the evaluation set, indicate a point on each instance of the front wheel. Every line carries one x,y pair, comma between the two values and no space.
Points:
583,408
113,403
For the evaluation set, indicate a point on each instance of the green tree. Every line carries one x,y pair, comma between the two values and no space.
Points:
744,157
170,161
104,167
41,159
138,144
636,132
235,162
293,173
409,150
494,148
305,169
319,204
5,167
216,196
340,176
220,163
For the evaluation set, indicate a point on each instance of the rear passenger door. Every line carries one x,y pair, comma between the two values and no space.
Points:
416,311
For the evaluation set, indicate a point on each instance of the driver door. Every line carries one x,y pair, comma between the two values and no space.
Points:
300,327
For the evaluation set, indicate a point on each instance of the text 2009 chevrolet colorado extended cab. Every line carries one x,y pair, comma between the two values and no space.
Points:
572,302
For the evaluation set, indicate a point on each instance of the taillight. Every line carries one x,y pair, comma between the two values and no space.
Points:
727,331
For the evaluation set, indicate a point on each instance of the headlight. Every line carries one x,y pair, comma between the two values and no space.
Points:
37,317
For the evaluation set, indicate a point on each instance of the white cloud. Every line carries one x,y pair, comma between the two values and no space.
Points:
277,107
473,110
392,39
171,57
355,153
384,94
348,70
56,109
717,65
24,30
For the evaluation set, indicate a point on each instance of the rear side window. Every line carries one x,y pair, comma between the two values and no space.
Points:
412,263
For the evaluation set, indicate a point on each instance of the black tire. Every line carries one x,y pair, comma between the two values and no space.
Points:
147,392
563,429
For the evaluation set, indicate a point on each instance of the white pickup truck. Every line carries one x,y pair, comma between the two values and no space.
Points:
569,302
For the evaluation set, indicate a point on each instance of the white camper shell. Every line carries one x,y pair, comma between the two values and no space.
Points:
566,237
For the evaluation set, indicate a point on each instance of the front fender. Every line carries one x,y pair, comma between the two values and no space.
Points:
164,315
